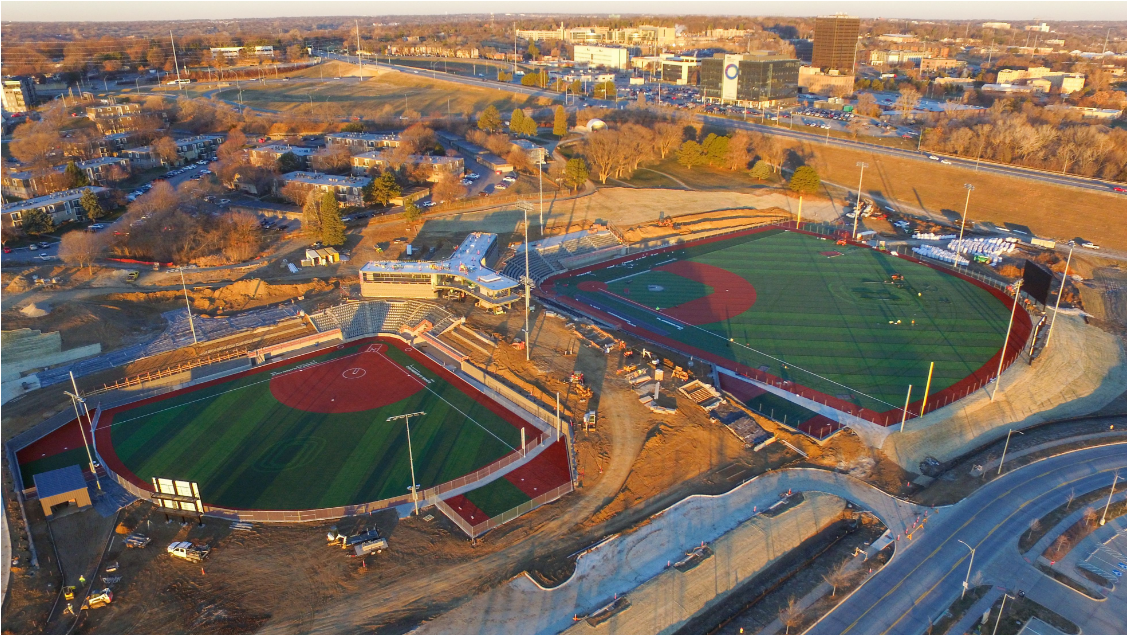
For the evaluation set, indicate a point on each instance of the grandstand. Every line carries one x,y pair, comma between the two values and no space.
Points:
560,253
359,319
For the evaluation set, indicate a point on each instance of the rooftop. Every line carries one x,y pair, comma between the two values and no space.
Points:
411,158
465,262
365,136
326,179
60,481
283,148
57,197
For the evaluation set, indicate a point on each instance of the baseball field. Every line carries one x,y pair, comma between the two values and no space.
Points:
845,323
313,433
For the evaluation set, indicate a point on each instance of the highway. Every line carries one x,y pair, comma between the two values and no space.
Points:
926,574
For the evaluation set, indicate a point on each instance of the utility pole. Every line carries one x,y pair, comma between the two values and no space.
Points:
1110,498
858,202
966,575
1061,288
1001,614
1003,353
963,221
188,305
411,460
358,26
75,399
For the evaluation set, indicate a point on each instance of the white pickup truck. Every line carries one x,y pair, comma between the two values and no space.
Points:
188,551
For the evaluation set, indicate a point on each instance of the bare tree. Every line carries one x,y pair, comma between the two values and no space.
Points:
165,149
668,136
602,150
1033,527
907,99
448,188
1090,516
791,615
772,148
1070,499
738,156
335,158
839,576
242,236
81,248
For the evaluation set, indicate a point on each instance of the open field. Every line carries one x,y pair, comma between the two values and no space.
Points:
802,309
312,433
382,94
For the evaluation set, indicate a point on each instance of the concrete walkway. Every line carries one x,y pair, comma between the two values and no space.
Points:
625,561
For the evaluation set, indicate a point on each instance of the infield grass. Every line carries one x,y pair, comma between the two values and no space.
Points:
248,451
838,325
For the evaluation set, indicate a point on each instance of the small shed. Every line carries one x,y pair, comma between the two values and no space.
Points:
61,487
321,256
496,163
413,195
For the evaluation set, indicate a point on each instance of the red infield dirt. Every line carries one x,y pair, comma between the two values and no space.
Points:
331,387
732,294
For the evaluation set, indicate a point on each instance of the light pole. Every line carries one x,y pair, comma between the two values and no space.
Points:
966,575
862,165
1003,353
1002,603
188,306
963,221
411,460
75,399
1061,288
541,194
1008,440
1106,510
526,281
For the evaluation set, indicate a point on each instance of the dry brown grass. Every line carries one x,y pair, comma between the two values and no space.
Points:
1050,210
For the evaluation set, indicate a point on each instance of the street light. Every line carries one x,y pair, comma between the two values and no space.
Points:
1008,440
191,325
411,460
1106,510
970,559
862,165
75,399
1002,603
963,221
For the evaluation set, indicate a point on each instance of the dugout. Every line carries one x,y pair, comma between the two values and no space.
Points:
61,488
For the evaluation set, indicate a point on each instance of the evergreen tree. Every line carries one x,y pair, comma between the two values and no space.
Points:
715,148
575,173
74,176
517,121
690,154
412,212
805,180
311,215
529,127
490,120
761,171
332,227
37,222
289,162
382,189
354,126
560,122
90,204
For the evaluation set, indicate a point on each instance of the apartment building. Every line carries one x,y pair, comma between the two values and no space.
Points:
115,118
19,94
364,141
27,184
268,155
348,189
1043,79
60,206
365,162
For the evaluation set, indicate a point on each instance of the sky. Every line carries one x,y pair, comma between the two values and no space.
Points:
1018,10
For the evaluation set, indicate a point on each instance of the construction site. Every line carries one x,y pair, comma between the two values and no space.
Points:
259,451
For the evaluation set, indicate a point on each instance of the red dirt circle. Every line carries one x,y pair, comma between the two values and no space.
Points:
354,383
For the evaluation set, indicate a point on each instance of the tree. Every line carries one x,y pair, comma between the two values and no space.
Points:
90,204
80,248
604,90
805,180
690,154
791,615
737,157
289,162
1070,499
517,121
354,126
448,188
335,158
667,138
715,148
165,150
74,177
575,173
773,149
232,147
907,99
868,106
412,212
529,127
839,576
490,120
311,215
603,152
332,227
857,125
560,121
762,171
37,222
382,189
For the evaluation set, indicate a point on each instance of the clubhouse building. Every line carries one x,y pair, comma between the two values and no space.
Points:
465,272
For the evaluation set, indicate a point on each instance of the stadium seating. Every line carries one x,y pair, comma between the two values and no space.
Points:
545,260
359,319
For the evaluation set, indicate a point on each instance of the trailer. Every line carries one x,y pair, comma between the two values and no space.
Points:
188,551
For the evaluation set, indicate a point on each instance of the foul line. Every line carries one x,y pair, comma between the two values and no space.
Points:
428,389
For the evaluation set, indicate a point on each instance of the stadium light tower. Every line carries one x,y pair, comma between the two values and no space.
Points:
75,399
1003,352
963,221
1061,288
858,201
411,461
526,281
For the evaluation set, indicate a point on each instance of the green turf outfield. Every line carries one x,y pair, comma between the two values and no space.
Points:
496,497
823,322
249,451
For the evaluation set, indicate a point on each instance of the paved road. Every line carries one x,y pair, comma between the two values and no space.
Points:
926,575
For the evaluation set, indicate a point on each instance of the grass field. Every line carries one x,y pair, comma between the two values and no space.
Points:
311,435
382,95
837,324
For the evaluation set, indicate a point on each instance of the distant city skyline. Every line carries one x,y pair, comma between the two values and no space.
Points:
115,10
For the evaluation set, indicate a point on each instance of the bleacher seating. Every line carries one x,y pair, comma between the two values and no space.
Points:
358,319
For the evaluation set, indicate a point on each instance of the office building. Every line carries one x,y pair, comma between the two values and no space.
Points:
999,26
938,64
535,153
836,42
1042,79
803,49
816,82
750,80
1038,28
466,271
19,94
606,56
60,206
